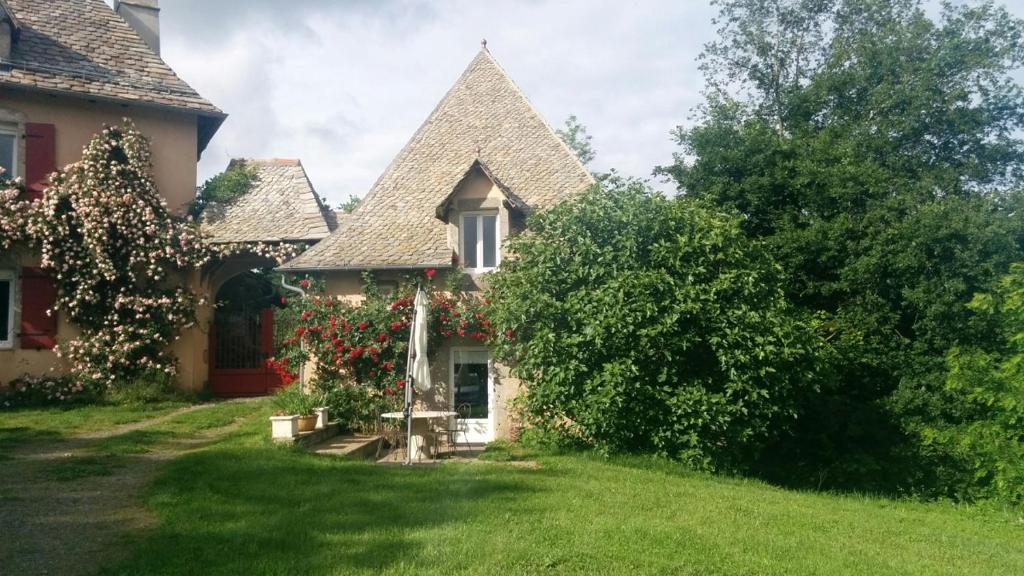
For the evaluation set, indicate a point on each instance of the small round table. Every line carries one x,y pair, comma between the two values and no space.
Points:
418,446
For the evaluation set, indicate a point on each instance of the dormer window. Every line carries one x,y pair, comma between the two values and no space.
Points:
479,242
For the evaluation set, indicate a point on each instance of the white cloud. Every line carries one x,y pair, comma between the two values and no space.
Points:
343,85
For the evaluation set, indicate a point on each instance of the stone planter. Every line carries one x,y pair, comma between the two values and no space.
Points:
284,428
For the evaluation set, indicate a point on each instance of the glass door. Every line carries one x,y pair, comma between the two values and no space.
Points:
473,394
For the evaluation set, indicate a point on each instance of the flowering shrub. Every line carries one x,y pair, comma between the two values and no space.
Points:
17,216
119,257
368,343
649,324
44,391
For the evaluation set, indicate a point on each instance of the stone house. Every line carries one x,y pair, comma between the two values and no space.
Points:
482,161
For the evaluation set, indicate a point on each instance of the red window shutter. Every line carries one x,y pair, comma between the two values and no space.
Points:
38,294
40,158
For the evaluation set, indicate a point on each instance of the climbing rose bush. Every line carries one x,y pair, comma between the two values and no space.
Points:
119,257
367,344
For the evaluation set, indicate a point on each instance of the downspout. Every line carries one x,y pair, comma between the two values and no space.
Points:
302,344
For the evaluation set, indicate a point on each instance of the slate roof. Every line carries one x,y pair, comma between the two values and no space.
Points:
282,206
484,118
83,48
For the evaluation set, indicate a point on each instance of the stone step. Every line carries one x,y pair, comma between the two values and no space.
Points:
307,439
355,446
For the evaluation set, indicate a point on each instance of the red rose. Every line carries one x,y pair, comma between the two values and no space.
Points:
429,273
363,325
300,331
389,390
401,383
460,332
284,301
508,334
304,283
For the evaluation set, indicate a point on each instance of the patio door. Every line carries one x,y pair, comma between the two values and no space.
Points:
473,393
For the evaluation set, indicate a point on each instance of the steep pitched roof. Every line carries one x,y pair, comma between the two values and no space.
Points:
483,118
82,48
281,207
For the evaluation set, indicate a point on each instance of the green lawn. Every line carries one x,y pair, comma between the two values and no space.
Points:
21,426
244,506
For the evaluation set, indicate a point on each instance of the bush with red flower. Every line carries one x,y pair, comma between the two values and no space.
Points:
367,344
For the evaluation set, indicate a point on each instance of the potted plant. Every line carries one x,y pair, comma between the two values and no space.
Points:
291,401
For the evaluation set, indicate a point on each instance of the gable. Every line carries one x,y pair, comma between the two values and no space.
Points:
484,118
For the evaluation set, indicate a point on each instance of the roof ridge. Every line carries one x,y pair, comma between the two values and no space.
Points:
422,127
522,95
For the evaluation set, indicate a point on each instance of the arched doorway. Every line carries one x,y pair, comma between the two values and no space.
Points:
242,337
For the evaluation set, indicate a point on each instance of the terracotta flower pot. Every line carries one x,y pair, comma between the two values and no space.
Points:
307,423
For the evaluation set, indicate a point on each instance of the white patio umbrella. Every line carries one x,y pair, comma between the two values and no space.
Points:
417,367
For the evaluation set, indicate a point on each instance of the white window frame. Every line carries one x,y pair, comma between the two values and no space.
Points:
480,239
12,130
12,277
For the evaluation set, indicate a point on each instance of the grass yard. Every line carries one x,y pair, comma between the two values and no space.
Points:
35,425
244,506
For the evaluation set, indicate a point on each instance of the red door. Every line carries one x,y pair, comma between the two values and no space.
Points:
241,340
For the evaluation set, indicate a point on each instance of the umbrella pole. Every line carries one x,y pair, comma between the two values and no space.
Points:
410,358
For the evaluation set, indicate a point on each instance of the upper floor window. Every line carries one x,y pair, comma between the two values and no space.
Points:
480,241
6,308
9,151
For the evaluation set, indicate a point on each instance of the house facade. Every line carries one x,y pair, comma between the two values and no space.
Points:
468,178
66,69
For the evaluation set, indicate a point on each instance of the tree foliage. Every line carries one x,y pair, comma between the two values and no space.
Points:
876,152
575,136
648,324
984,435
225,187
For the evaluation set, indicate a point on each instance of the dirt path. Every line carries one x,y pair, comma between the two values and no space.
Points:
66,510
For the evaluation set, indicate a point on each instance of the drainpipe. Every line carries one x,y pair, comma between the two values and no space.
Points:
302,345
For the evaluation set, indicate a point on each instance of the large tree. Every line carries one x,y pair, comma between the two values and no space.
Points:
876,152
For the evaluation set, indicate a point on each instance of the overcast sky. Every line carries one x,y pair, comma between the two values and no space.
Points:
342,85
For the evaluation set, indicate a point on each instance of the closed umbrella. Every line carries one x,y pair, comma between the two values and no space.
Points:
420,367
417,367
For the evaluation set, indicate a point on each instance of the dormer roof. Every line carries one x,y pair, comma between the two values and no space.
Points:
478,168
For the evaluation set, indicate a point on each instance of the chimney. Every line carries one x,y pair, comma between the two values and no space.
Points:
144,17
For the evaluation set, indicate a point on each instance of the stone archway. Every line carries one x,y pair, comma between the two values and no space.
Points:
242,337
